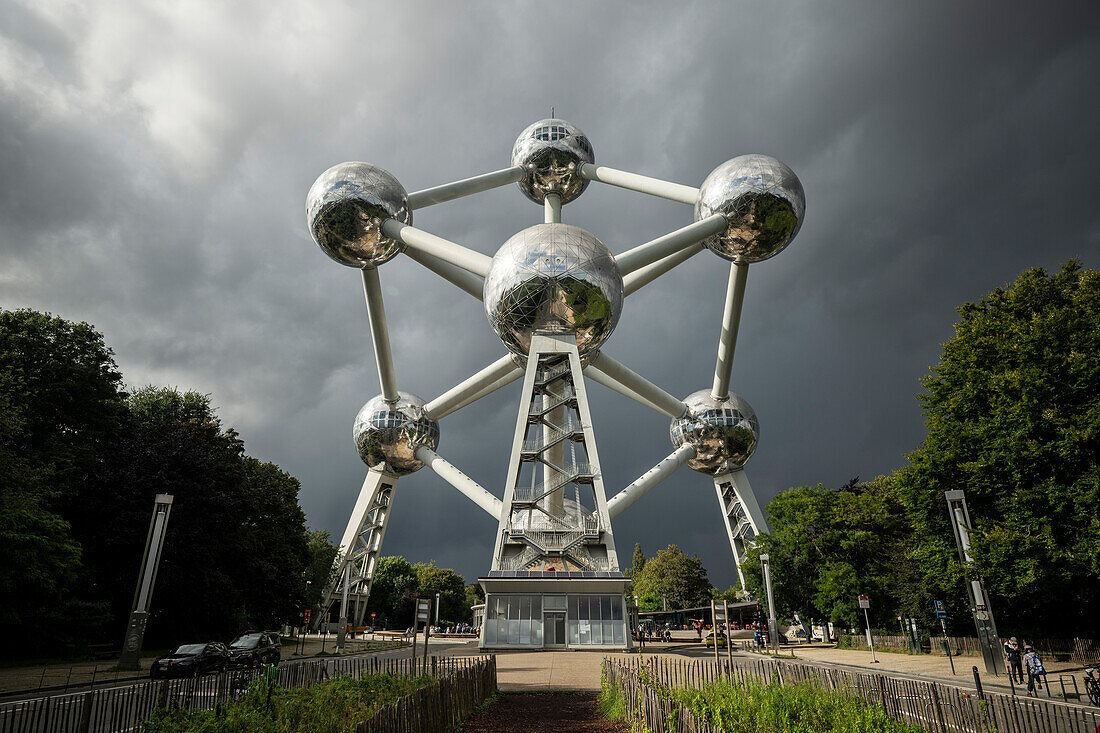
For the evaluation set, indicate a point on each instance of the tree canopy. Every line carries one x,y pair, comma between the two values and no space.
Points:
677,578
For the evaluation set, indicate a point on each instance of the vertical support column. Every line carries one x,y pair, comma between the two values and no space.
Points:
360,548
551,207
741,514
147,578
376,313
731,321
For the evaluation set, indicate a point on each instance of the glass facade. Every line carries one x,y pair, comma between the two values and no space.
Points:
513,619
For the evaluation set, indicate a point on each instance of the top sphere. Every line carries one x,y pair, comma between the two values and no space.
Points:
345,209
763,201
551,151
553,277
387,435
724,433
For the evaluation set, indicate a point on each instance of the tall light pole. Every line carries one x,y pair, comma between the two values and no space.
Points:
147,577
959,516
773,625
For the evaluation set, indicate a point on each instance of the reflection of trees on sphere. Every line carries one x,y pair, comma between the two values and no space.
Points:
723,433
551,153
345,209
387,435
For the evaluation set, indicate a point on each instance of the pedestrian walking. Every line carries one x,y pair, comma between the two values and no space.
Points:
1013,659
1035,669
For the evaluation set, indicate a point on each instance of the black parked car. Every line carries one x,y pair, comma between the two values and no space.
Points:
192,660
253,648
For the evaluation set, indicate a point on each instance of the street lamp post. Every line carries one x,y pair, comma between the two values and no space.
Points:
150,563
773,625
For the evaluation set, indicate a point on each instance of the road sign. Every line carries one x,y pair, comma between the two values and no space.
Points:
864,602
306,614
373,614
940,608
423,609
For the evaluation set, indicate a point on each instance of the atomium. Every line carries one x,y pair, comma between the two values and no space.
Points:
722,432
551,152
553,277
345,209
763,201
387,435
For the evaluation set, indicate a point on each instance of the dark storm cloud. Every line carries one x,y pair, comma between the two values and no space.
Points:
154,163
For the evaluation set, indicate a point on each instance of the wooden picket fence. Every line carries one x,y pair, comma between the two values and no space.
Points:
1082,651
936,707
438,708
125,708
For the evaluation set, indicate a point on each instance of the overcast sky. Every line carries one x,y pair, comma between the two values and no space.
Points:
155,158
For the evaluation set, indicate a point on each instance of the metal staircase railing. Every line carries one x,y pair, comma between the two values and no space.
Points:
571,474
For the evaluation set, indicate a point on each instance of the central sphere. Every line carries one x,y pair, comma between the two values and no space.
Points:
723,432
553,277
388,434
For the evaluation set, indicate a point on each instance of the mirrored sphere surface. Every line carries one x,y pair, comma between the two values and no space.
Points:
553,277
552,151
345,209
724,434
387,436
762,199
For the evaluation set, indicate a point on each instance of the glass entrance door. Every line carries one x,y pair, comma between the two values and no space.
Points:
553,628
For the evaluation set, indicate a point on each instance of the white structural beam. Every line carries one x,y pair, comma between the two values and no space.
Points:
640,278
600,378
651,394
501,372
617,504
444,249
471,489
463,279
465,187
551,206
376,312
741,514
731,320
642,184
669,244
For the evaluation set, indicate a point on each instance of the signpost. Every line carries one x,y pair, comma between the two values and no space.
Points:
865,603
941,613
773,625
720,614
984,624
423,613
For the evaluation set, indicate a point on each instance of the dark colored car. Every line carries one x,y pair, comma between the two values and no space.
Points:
192,660
253,648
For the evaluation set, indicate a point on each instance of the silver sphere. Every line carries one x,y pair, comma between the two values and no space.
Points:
723,433
553,277
387,435
552,151
762,199
345,209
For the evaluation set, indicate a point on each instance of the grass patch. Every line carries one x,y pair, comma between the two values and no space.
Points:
332,706
768,708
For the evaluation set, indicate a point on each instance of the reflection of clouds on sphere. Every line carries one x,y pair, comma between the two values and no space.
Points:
387,436
553,277
345,209
551,152
723,433
762,199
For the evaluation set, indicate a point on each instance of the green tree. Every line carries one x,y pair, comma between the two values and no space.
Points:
451,587
40,557
1013,415
679,579
392,592
321,571
637,563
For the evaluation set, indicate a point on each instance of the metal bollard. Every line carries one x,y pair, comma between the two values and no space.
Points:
978,683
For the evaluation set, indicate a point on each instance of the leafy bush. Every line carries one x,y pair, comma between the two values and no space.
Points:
332,706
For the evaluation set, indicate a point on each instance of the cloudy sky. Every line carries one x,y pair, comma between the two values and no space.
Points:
155,157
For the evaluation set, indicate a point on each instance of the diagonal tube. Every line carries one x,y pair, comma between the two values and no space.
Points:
600,378
641,184
617,504
465,187
501,372
652,395
471,489
376,313
463,279
640,278
731,320
669,244
445,250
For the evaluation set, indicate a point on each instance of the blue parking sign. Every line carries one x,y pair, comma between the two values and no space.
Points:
940,609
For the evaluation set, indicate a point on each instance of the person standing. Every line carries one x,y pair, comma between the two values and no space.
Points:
1035,669
1013,658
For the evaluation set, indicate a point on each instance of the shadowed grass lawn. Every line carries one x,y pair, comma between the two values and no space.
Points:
332,706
